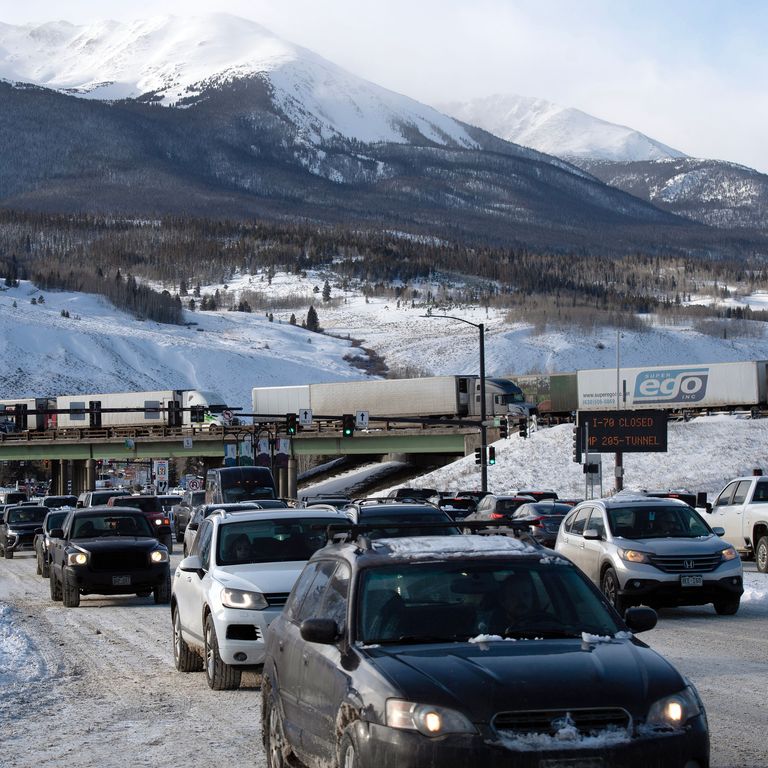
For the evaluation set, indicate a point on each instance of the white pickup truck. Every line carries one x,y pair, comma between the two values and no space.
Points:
741,508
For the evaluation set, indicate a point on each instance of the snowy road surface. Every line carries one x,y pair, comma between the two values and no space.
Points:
96,687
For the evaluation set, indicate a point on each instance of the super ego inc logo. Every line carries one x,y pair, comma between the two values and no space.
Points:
676,385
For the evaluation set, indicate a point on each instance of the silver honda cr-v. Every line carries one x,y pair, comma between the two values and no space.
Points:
656,552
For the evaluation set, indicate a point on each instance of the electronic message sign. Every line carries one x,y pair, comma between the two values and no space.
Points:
622,431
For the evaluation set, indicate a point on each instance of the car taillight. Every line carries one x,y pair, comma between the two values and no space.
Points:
496,516
539,522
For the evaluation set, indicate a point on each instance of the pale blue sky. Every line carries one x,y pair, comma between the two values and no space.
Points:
689,73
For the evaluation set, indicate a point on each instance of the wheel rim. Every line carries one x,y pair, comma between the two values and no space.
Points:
275,739
609,588
210,659
762,556
349,757
176,635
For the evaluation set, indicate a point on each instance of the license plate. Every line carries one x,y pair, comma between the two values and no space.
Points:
572,762
691,581
121,581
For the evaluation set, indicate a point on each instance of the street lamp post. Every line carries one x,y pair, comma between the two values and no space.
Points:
619,470
483,428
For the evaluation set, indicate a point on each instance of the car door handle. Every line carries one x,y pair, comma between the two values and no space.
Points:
581,545
280,645
305,658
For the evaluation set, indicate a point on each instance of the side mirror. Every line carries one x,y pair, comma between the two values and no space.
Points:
38,531
708,507
191,564
193,526
79,504
640,619
718,530
324,631
57,533
592,534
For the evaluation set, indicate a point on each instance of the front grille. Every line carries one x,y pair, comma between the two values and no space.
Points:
588,722
276,599
125,560
686,563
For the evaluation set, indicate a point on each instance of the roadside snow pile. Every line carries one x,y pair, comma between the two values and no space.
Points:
755,588
20,661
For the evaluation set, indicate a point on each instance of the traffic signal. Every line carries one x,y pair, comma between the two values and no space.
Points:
491,455
94,408
576,448
478,455
348,424
522,425
503,428
291,423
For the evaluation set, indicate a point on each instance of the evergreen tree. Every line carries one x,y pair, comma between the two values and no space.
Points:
326,291
313,322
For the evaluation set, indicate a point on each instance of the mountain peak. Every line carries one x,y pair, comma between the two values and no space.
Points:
564,132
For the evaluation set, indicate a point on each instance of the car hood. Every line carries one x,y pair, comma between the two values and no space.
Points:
24,527
675,545
109,543
486,678
259,577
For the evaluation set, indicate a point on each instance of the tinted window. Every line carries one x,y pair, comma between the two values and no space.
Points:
725,496
54,520
310,607
110,524
654,522
596,522
335,601
761,491
579,521
299,592
742,489
22,515
203,543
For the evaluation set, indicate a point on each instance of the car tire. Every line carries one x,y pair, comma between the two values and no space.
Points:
8,554
220,676
761,554
609,585
184,658
179,538
727,607
162,591
70,594
45,568
275,745
348,751
55,586
38,564
167,541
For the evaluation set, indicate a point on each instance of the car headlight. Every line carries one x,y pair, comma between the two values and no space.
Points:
674,711
633,556
426,719
11,532
158,556
729,553
77,558
239,598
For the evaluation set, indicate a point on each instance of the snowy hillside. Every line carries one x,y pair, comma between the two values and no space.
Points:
174,59
560,131
101,349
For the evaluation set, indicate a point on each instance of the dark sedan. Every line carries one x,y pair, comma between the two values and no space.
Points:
540,519
107,551
18,526
414,652
497,508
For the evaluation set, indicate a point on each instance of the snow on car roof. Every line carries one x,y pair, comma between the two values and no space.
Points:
453,546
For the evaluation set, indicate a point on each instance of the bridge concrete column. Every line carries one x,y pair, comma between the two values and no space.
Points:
291,479
282,482
78,476
62,477
90,474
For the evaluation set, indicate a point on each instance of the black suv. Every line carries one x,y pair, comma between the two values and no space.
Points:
401,652
18,526
107,551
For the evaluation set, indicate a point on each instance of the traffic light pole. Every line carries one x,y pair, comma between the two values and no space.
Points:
483,427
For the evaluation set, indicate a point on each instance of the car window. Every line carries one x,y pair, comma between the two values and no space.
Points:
579,521
742,489
761,491
725,496
335,600
310,607
596,522
203,543
299,591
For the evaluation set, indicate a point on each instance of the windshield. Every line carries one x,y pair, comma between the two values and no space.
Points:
438,602
517,397
271,541
656,522
111,524
23,515
389,524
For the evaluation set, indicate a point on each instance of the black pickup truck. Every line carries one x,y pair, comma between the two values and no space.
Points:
107,551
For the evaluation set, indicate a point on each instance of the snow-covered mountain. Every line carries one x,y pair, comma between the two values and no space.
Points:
560,131
172,60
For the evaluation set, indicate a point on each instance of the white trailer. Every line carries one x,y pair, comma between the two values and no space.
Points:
439,396
11,422
674,387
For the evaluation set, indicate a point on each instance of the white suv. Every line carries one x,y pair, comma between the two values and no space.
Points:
658,552
235,580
